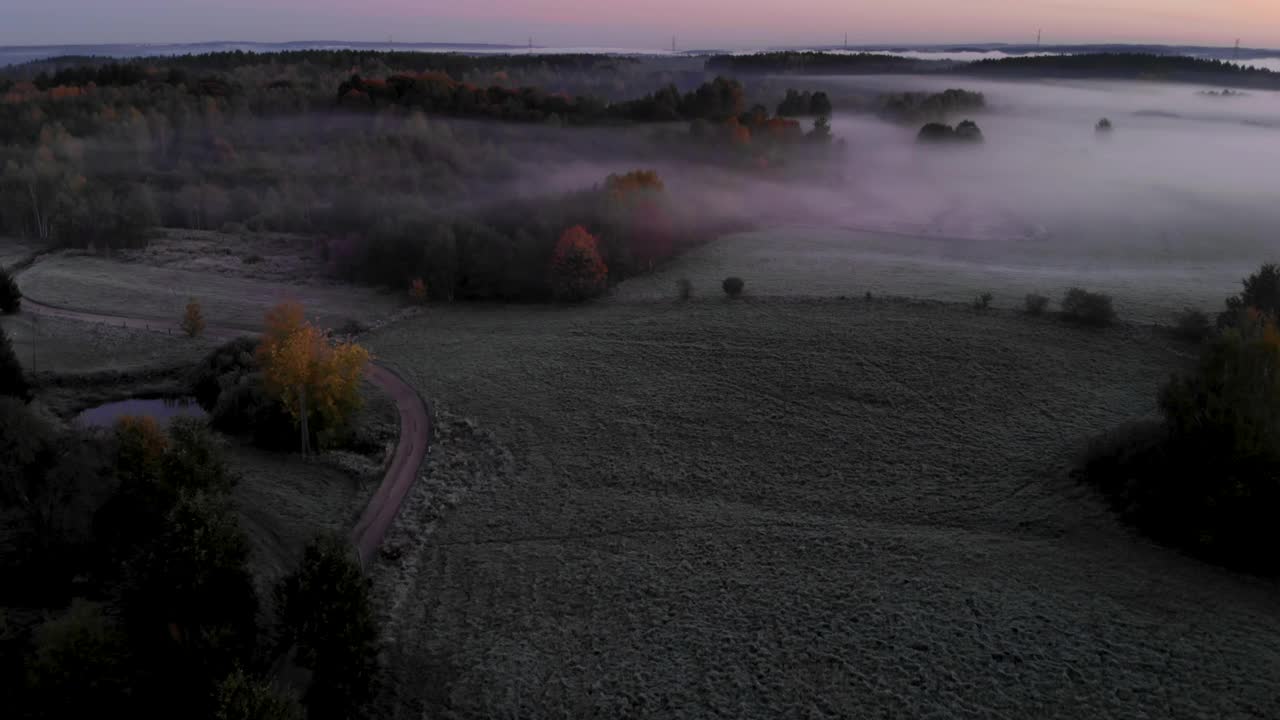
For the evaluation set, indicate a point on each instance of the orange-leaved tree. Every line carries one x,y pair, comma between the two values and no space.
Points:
193,319
640,206
316,380
621,186
577,270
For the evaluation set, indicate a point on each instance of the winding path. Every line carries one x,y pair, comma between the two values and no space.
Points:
411,446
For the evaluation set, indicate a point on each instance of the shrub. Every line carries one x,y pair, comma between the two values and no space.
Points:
1036,304
684,288
983,301
229,385
325,608
418,291
1103,126
193,319
251,259
242,697
577,270
733,286
1192,325
10,295
1261,292
1088,308
13,381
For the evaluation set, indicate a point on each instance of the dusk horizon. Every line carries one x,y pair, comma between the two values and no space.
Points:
572,23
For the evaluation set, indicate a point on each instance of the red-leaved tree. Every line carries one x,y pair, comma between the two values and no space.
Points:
577,270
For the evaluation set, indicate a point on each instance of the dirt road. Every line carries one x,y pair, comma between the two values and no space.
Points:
411,447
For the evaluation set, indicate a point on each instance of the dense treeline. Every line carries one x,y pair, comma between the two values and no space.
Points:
1108,65
1130,66
912,107
797,103
506,252
128,591
436,92
819,63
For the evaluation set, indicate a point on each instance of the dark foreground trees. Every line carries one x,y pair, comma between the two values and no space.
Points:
326,612
1207,477
138,599
13,380
10,295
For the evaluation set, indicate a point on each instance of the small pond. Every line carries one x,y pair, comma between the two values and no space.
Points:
162,409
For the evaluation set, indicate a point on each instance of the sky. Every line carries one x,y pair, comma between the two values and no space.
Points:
642,25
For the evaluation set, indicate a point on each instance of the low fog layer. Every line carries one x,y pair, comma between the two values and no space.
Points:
1174,206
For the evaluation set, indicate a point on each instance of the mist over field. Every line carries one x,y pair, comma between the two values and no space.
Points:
1170,209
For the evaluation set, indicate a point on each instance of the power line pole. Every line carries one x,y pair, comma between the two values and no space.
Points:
1236,56
1038,35
846,41
673,44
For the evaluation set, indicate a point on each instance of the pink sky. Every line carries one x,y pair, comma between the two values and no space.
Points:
646,24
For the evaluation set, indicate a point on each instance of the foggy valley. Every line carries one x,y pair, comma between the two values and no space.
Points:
344,380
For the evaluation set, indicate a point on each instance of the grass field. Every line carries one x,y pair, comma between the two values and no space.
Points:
285,501
833,262
797,508
67,346
140,290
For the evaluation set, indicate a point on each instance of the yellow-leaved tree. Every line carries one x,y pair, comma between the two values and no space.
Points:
317,380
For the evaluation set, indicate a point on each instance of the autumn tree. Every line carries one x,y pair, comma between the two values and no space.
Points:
577,270
638,200
193,319
316,380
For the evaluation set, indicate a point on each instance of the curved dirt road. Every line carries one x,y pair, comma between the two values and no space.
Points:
411,447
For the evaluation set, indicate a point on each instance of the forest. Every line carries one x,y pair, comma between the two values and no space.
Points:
97,154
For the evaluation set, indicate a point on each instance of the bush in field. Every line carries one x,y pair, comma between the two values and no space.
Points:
983,301
1036,304
1087,308
1103,126
684,289
1261,292
577,270
733,286
1192,325
325,608
13,381
418,291
10,295
1206,478
193,320
229,385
